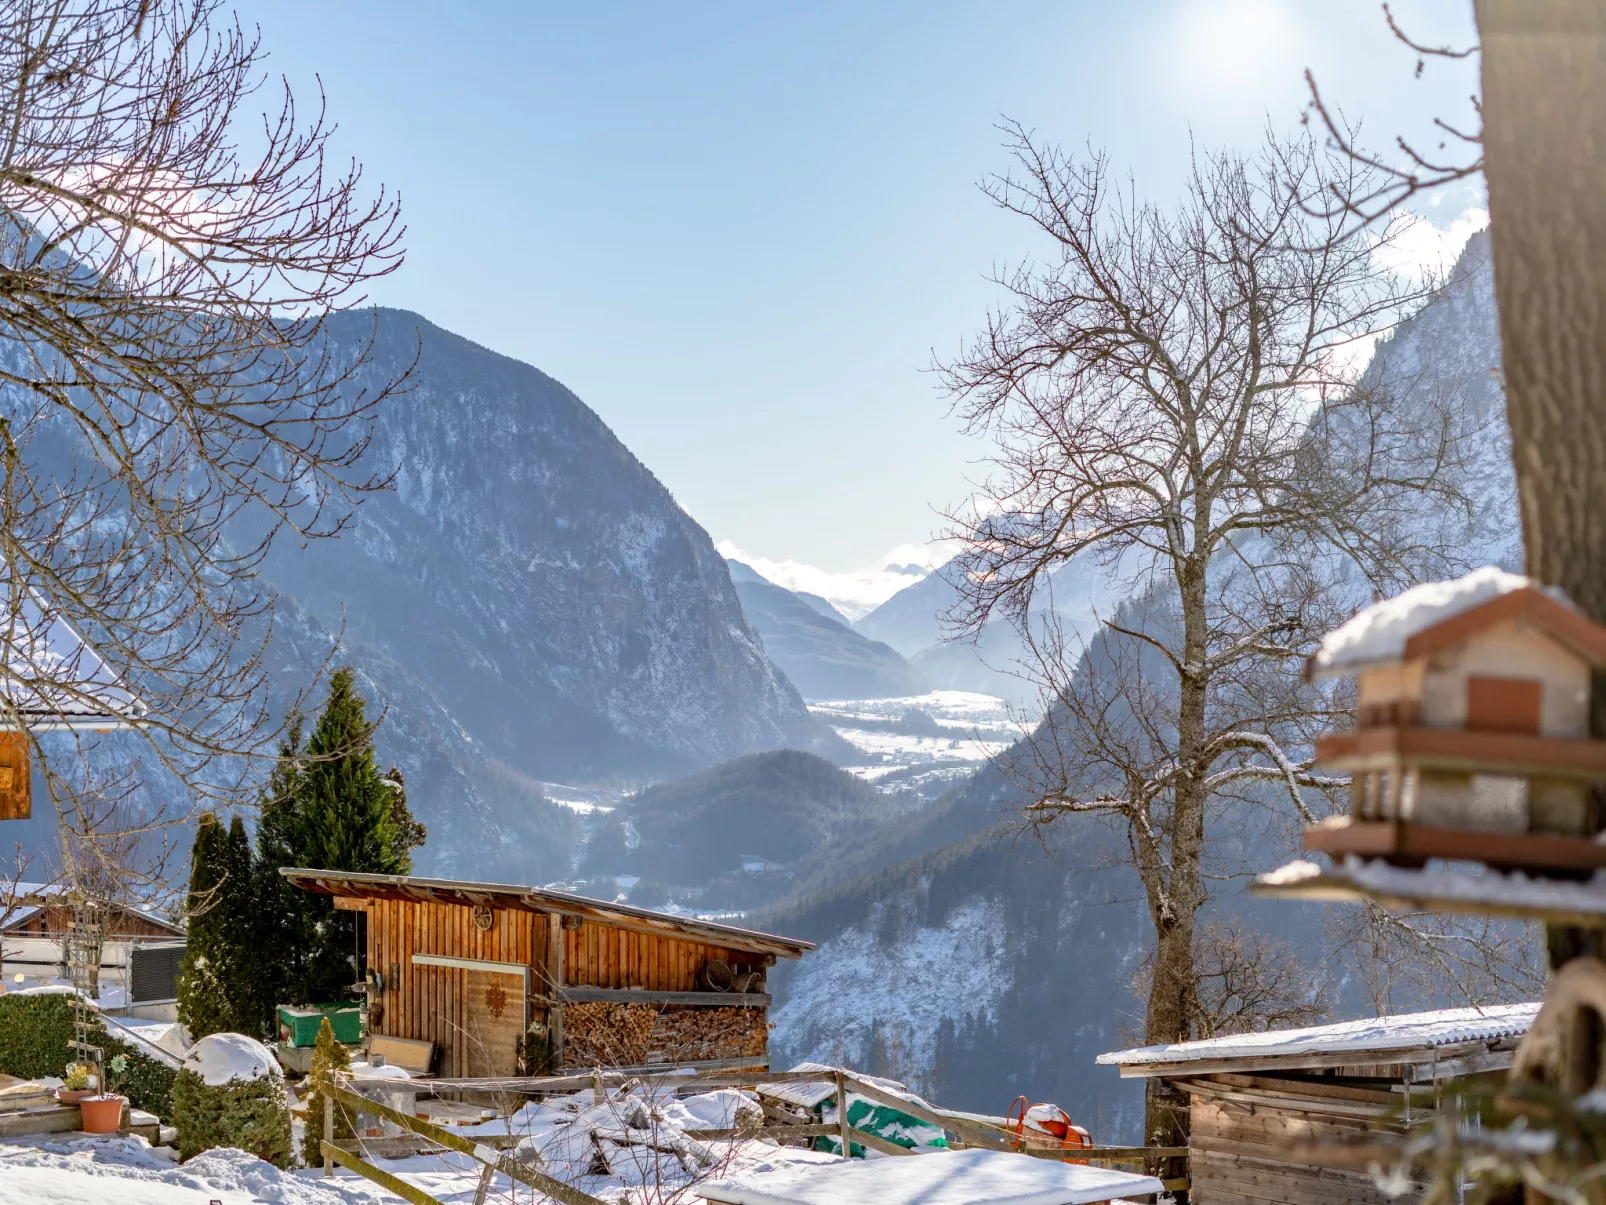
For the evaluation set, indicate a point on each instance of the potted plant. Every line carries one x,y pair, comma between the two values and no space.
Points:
77,1082
103,1114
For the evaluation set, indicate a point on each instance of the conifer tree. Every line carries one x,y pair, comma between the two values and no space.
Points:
220,988
326,806
328,1058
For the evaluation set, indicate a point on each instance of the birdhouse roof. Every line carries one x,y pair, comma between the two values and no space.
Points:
1441,614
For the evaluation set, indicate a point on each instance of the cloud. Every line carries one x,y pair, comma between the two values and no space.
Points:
856,592
1421,249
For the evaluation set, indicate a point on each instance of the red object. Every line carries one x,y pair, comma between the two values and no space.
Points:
1044,1123
102,1114
72,1096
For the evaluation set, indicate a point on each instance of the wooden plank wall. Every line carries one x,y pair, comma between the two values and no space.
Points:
428,1002
597,955
1239,1148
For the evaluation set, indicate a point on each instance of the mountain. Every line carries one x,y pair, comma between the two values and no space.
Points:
742,573
736,834
911,620
979,963
529,604
823,657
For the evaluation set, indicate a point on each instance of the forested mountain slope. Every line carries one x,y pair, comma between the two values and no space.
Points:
982,964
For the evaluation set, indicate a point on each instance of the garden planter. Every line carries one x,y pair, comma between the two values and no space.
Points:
102,1114
73,1096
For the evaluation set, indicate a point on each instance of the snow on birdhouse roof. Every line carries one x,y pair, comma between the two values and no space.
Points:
971,1177
1420,619
1394,1036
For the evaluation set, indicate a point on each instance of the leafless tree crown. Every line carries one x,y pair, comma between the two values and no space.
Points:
173,237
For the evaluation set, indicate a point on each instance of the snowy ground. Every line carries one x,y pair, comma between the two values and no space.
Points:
922,741
641,1141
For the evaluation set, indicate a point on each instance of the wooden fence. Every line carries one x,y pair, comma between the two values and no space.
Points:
970,1131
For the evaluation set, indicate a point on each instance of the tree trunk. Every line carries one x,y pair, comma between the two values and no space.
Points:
1544,94
1544,91
1171,994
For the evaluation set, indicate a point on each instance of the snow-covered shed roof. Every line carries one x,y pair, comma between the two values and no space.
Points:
1408,1037
352,885
1438,614
55,678
970,1177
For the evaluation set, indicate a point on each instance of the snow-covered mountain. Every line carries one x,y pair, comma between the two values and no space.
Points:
823,656
528,605
968,957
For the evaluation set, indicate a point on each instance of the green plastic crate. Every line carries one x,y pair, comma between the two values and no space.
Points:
299,1026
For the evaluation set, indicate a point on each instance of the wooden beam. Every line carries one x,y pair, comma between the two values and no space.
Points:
470,964
611,995
354,1162
968,1130
876,1143
787,1133
528,1176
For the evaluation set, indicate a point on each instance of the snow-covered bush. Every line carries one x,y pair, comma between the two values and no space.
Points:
230,1093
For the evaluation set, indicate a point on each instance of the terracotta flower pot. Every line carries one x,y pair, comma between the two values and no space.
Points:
102,1114
73,1096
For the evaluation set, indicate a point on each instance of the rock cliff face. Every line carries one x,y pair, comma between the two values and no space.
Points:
529,603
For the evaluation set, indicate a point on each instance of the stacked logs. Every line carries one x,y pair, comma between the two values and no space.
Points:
630,1035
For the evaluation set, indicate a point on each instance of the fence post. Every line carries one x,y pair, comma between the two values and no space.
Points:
596,1086
842,1112
328,1131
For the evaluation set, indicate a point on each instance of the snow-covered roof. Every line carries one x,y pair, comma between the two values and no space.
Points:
1381,632
971,1177
55,679
1397,1035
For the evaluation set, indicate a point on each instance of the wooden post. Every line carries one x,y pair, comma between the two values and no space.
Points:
554,1015
597,1094
328,1131
484,1189
845,1130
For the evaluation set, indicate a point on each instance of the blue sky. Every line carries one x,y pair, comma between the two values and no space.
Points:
739,230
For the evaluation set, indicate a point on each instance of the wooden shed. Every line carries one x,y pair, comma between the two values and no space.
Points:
503,980
1259,1101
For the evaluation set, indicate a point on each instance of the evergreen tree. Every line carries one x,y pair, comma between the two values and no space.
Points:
284,923
326,806
220,986
328,1057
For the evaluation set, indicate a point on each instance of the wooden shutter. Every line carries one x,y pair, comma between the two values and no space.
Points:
1503,705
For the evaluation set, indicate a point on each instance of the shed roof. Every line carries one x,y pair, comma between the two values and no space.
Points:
1439,614
56,678
1408,1037
353,885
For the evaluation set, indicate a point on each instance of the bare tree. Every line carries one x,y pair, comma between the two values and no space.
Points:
1246,982
1173,400
172,239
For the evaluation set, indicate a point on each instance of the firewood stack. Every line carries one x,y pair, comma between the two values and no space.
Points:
630,1035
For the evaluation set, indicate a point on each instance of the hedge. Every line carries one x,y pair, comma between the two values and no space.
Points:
35,1030
251,1115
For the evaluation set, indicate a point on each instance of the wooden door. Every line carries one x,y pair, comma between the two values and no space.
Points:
493,1018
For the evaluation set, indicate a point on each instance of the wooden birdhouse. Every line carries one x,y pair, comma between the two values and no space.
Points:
1472,727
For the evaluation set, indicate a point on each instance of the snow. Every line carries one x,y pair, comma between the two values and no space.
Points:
221,1057
1407,1031
165,1041
366,1071
1514,893
127,1171
954,731
973,1177
935,972
1380,632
